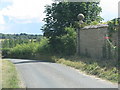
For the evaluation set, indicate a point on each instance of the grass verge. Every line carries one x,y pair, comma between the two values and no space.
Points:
104,69
10,78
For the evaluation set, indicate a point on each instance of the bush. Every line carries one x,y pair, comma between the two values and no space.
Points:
69,41
24,50
34,50
43,47
6,52
65,44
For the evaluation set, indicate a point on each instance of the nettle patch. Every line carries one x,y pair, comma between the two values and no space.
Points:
110,49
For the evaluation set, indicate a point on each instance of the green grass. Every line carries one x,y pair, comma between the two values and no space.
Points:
105,69
10,77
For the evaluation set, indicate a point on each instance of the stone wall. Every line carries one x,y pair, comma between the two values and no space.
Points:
92,40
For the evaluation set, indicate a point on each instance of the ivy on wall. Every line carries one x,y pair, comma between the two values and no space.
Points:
112,26
109,49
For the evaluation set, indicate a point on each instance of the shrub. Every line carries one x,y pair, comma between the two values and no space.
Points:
33,50
43,47
69,41
6,52
65,44
94,23
24,50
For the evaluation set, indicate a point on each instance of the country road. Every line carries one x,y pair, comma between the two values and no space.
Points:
38,74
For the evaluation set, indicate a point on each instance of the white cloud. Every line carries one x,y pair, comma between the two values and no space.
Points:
109,9
5,28
26,10
2,21
6,0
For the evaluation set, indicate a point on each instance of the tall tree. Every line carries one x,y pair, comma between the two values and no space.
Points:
64,14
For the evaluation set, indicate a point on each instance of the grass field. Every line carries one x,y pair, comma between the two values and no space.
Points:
10,78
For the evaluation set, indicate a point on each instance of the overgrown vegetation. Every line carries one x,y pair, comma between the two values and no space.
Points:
106,69
65,48
110,49
60,40
65,44
103,69
10,77
64,14
113,26
10,41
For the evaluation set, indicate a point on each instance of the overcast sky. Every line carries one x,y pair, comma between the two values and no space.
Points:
25,16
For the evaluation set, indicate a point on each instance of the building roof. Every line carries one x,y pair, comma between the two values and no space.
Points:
95,26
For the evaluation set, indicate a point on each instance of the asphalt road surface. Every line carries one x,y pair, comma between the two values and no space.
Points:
38,74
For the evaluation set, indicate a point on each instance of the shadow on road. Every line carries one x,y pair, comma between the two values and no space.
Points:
20,61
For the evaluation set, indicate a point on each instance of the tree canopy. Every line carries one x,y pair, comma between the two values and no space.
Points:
64,14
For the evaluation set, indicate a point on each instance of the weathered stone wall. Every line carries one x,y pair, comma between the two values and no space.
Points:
115,38
92,40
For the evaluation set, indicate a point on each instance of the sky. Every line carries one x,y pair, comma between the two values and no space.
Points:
26,16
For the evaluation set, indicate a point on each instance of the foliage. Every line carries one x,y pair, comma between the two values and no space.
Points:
103,69
112,26
11,40
6,52
43,47
94,23
64,14
109,49
10,43
65,44
68,41
23,50
28,50
19,36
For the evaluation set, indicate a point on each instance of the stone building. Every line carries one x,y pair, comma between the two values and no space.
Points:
92,40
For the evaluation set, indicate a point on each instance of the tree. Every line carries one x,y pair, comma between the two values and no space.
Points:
64,45
64,14
68,41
